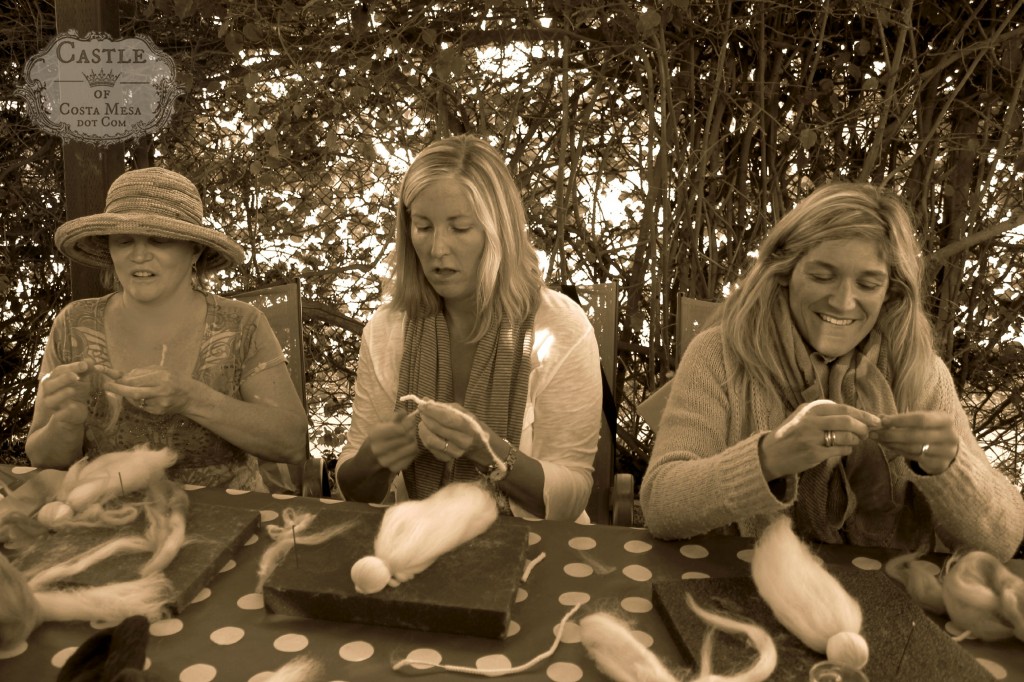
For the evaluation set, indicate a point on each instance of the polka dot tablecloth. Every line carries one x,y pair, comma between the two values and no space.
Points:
225,634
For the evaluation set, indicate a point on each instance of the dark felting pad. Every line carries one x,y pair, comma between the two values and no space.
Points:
468,591
889,620
213,535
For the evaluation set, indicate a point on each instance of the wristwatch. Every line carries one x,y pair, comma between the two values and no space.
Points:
494,473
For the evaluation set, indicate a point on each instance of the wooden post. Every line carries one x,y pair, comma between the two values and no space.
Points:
88,169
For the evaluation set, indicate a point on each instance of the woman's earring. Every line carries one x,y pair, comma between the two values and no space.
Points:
195,275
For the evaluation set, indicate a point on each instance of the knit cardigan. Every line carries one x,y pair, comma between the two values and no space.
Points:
705,473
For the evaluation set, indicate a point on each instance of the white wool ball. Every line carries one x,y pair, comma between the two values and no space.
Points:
370,575
848,649
52,513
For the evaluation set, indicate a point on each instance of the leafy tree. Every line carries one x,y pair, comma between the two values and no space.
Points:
655,143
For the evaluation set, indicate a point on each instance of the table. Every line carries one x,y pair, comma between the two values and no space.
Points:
225,634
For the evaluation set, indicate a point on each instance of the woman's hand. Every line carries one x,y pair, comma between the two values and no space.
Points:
153,389
393,444
927,438
449,431
65,392
815,432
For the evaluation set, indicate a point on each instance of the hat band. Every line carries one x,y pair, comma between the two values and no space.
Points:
181,208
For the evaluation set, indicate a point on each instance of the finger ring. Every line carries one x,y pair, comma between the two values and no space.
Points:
830,438
446,447
142,403
924,448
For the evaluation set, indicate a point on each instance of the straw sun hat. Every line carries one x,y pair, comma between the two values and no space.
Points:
155,202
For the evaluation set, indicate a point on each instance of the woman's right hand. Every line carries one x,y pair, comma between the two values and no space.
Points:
65,392
802,441
393,444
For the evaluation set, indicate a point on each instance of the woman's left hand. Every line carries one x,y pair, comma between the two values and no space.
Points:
449,432
153,389
927,438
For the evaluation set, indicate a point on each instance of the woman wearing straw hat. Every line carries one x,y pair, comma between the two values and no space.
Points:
160,362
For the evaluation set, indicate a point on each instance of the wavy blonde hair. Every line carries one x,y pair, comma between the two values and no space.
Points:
839,210
510,278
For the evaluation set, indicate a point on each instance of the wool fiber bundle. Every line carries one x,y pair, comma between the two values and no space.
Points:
22,609
299,669
983,597
805,598
284,537
919,578
89,484
427,403
415,533
617,653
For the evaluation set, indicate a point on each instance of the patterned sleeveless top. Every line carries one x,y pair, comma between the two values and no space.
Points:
237,343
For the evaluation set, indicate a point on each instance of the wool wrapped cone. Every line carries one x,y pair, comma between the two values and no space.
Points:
155,202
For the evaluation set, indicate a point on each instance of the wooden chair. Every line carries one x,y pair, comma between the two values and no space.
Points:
611,498
692,316
282,304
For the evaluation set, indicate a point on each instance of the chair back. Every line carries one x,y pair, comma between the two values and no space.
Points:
611,497
282,305
692,316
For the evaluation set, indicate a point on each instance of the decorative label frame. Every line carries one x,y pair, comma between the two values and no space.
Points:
99,90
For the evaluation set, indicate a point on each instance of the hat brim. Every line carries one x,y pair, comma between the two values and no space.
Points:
83,240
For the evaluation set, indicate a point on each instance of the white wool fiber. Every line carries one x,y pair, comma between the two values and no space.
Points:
415,664
118,473
919,578
299,669
19,610
805,598
108,603
53,514
767,655
130,544
983,597
617,652
284,537
474,424
414,533
166,511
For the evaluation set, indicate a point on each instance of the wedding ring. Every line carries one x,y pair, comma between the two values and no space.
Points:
924,449
830,438
142,403
446,447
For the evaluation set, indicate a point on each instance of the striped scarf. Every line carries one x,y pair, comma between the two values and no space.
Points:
496,393
860,499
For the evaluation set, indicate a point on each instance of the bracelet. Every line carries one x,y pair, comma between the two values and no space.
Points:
494,474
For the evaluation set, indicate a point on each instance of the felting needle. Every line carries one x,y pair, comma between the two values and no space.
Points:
913,624
295,546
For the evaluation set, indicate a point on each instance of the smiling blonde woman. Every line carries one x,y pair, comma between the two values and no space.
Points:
820,395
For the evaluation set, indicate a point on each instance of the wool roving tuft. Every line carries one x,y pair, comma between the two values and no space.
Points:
427,403
19,610
983,597
89,484
619,655
805,598
920,578
413,534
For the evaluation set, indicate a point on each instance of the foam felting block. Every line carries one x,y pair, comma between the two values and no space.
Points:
468,591
213,535
904,643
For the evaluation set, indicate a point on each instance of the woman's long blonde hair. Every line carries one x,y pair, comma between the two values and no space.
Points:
839,210
510,278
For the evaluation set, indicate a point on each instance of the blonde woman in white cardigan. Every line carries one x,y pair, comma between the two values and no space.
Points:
820,394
